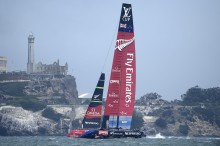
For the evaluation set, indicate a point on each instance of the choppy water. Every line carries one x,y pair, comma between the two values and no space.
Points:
146,141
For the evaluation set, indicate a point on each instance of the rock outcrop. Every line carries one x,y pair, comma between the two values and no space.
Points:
174,119
22,103
17,121
54,91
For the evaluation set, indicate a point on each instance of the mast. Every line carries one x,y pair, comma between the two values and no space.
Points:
122,85
93,114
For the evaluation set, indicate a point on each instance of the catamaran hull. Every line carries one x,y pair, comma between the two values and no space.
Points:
105,134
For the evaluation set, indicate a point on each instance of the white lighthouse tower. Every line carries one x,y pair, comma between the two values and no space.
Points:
31,63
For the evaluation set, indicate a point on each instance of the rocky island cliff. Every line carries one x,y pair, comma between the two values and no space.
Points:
197,114
28,104
52,107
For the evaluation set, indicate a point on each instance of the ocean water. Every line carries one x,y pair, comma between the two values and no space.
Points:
145,141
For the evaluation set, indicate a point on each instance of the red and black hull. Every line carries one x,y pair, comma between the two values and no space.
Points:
105,134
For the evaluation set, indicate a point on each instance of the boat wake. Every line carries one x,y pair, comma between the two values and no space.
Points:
157,136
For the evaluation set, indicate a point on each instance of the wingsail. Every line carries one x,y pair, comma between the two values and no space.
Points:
121,91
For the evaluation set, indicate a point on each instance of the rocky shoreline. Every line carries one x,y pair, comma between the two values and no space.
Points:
52,107
15,121
175,119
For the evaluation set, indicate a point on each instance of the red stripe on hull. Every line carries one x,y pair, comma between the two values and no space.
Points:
76,133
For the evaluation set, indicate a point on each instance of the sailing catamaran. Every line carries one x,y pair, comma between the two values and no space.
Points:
116,122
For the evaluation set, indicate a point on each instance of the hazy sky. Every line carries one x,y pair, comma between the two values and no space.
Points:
177,41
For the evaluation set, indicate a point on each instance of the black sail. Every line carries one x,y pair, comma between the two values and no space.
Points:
93,114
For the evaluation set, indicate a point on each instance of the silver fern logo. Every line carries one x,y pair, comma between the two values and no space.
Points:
122,43
95,96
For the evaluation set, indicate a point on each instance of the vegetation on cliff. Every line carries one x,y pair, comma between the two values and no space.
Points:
12,94
137,120
13,88
51,114
197,95
198,113
161,122
205,103
36,94
184,129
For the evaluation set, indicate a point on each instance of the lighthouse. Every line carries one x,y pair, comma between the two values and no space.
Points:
31,63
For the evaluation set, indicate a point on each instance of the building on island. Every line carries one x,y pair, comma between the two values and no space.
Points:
3,64
40,68
54,68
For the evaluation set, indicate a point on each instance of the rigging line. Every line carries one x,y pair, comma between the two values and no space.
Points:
109,48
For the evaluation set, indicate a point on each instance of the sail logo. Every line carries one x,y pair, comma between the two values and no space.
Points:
123,25
93,112
95,96
126,16
132,133
129,73
124,122
123,113
116,69
111,133
114,81
113,95
92,123
103,132
122,43
126,105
